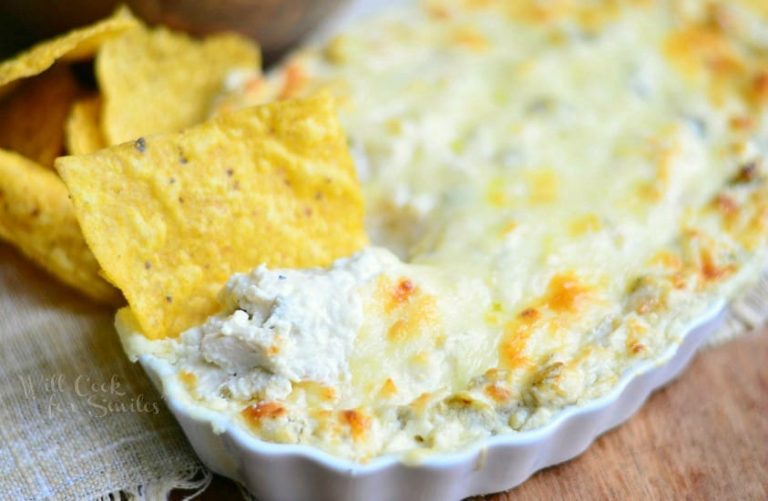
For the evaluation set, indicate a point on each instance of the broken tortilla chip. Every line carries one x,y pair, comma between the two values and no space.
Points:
36,216
76,45
157,81
83,128
171,217
32,117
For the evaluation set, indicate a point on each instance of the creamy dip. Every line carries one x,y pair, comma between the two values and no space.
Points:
553,195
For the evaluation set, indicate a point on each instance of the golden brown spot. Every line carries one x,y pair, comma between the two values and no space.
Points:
436,11
337,51
398,331
402,293
760,88
584,224
327,393
417,318
411,311
472,39
705,53
709,269
647,305
497,393
704,46
635,329
419,358
460,400
668,260
726,205
565,293
421,402
678,280
357,421
651,191
388,389
254,85
746,174
755,230
188,379
316,393
530,314
263,410
294,80
321,415
477,4
741,123
514,341
589,16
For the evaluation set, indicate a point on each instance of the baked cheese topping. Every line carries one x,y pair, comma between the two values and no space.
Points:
555,191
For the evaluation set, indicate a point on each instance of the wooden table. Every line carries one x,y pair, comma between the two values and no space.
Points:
704,436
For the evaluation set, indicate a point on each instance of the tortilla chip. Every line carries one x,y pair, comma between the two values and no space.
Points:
157,81
83,130
171,217
36,216
74,46
32,117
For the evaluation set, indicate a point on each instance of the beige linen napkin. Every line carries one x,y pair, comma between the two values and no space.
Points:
77,419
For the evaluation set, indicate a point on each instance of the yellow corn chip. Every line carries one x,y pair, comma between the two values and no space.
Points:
171,217
156,80
32,117
74,46
36,216
83,130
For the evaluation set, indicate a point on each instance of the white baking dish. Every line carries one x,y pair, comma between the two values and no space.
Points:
296,472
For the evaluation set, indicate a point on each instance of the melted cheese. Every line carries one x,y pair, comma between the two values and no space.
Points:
566,185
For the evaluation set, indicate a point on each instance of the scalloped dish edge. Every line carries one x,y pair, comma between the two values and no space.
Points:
227,448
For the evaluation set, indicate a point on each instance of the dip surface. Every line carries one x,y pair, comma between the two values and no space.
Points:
553,196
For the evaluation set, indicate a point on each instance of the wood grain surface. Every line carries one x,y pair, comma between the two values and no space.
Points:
704,436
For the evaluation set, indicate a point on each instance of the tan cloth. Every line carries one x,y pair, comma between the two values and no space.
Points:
77,419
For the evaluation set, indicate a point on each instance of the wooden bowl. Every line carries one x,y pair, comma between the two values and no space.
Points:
275,24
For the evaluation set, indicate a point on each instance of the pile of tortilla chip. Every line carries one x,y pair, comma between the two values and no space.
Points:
147,81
